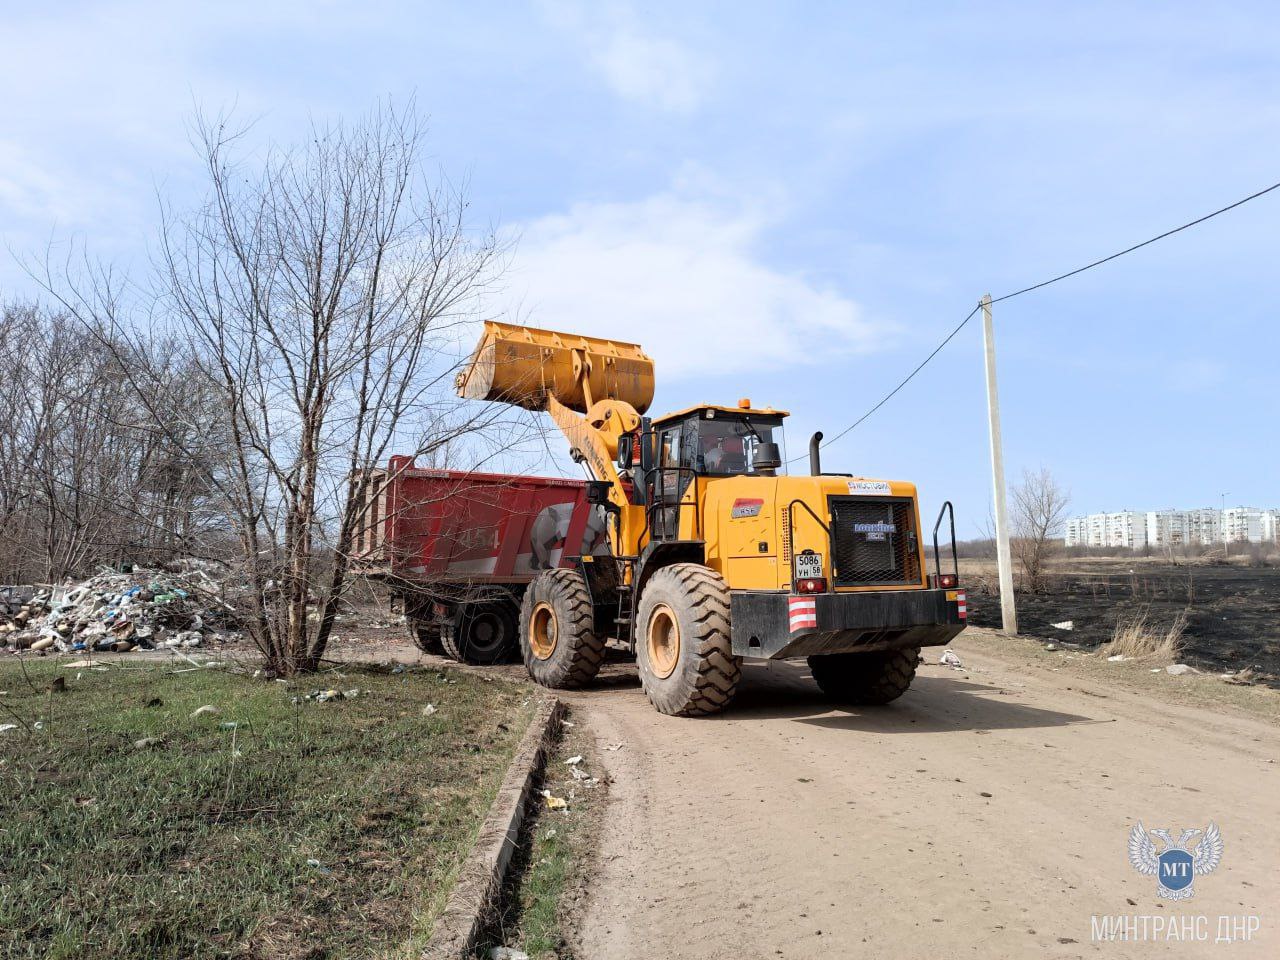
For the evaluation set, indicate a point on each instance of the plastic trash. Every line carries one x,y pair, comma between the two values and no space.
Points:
207,709
613,747
429,709
507,953
553,802
1064,625
574,761
6,727
148,743
1118,658
1179,669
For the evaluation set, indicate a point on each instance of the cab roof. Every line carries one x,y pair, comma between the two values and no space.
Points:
738,411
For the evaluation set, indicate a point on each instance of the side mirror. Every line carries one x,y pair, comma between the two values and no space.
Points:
624,451
598,492
767,457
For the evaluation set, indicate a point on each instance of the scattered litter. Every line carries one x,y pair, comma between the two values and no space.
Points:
207,709
398,668
6,727
507,953
1118,658
1051,647
319,696
574,761
554,802
77,664
315,864
566,723
148,743
352,693
950,659
228,725
429,709
613,746
1155,669
1064,625
1179,669
549,834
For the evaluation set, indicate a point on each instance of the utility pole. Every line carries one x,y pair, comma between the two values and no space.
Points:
1222,525
1008,610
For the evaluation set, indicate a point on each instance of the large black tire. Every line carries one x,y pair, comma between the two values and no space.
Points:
484,632
868,679
557,631
426,637
687,666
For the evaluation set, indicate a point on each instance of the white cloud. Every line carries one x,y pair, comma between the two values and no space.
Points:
683,278
635,63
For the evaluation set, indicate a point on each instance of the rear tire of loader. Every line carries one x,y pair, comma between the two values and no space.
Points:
866,679
557,631
683,648
484,633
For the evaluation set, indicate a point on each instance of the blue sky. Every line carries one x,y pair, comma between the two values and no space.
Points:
793,203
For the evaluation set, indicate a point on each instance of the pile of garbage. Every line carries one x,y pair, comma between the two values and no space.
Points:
139,609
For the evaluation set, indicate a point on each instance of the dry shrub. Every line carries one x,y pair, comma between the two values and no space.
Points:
1136,638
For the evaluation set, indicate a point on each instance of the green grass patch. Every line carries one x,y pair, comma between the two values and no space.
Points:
267,829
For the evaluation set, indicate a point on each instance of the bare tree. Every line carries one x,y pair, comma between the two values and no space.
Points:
1039,512
323,292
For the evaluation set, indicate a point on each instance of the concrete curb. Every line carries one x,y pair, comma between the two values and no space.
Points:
474,896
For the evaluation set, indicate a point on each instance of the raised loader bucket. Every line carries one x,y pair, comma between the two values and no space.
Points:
523,366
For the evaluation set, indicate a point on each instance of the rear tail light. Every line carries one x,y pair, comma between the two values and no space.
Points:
948,581
812,585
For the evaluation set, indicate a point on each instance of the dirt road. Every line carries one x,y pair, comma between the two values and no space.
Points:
985,814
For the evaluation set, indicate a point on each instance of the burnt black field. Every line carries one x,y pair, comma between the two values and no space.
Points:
1233,612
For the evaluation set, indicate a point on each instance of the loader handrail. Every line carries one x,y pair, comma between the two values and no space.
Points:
791,536
955,559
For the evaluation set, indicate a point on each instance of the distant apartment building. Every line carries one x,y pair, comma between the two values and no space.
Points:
1127,529
1174,528
1271,526
1242,525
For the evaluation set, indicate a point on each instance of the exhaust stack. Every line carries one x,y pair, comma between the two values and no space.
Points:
815,460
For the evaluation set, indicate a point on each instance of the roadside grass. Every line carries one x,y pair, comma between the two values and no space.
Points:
1136,639
267,829
1135,676
549,872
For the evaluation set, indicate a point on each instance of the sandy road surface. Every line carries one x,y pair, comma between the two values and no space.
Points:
788,829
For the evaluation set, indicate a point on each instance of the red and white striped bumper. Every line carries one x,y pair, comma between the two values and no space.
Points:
958,598
803,612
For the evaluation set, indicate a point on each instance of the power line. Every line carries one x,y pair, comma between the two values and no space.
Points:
1038,286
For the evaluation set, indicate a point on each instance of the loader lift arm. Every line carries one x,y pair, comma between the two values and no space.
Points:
595,390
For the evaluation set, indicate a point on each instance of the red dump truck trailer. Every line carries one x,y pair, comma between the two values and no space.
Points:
457,550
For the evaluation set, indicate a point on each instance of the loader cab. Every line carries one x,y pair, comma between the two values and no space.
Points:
709,442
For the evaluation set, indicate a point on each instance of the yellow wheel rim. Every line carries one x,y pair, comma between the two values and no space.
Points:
544,631
663,641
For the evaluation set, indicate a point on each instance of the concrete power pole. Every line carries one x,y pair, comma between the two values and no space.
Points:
1008,610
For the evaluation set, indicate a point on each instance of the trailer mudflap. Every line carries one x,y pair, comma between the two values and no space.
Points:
780,626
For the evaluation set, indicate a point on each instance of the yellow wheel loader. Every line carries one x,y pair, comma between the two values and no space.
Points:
717,555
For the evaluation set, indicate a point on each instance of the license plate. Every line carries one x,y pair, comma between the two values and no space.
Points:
808,566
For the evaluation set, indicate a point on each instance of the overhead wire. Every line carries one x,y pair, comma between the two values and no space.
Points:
1038,286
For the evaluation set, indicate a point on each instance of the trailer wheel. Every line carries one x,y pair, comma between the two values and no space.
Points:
683,645
427,637
557,631
870,679
483,633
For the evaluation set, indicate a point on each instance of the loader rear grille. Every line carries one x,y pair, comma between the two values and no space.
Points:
873,541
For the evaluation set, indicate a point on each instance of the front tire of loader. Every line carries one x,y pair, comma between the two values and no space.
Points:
866,679
557,631
687,666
